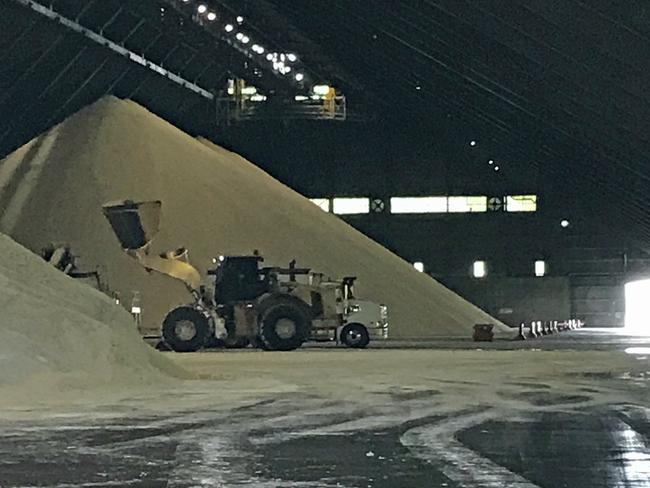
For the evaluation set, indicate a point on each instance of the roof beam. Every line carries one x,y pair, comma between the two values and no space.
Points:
121,50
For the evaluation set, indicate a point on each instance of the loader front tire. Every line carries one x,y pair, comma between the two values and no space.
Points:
185,329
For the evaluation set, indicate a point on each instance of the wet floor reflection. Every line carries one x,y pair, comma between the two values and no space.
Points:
575,448
590,449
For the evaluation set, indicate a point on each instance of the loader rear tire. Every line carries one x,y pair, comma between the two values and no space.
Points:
185,329
355,336
284,324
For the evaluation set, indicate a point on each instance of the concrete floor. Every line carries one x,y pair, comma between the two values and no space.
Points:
571,410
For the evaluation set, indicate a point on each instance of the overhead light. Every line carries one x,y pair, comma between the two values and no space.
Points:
245,39
419,266
300,98
565,223
540,268
282,57
292,57
491,161
239,36
258,98
300,77
260,50
229,28
240,19
496,168
287,69
472,143
249,90
478,269
418,87
321,89
269,57
212,16
202,9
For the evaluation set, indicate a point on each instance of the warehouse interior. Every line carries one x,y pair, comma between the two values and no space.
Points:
480,167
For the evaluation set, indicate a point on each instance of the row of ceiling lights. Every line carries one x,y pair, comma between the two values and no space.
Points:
473,143
491,162
280,62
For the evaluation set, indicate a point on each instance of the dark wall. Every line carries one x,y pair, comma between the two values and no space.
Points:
517,300
391,156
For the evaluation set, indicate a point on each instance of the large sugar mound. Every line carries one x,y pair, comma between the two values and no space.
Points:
214,202
59,336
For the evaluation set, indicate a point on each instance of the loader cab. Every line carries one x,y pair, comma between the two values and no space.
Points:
238,279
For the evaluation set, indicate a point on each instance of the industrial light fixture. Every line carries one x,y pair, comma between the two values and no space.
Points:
491,161
292,57
202,9
321,89
239,36
229,28
269,57
300,77
540,268
496,168
240,19
472,143
479,270
245,39
565,223
419,266
212,16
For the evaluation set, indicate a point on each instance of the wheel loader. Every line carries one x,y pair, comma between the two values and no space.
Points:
270,307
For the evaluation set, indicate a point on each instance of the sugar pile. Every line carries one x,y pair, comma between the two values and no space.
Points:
59,337
214,202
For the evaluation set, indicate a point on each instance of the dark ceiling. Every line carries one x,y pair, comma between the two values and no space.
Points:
557,85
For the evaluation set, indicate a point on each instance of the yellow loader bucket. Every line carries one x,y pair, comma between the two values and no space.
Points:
134,223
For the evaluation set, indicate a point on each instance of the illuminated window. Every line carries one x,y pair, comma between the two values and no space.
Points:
403,205
323,203
540,268
419,266
521,203
479,270
467,204
348,206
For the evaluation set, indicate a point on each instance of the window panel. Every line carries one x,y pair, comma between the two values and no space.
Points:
468,204
521,203
413,205
323,203
349,206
